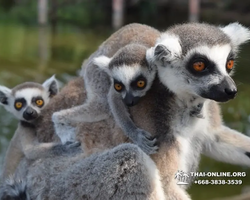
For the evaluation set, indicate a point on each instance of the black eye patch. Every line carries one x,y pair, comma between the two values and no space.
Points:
139,83
38,101
119,84
210,66
22,101
34,99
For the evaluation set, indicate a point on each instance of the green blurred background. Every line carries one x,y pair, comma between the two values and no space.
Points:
75,28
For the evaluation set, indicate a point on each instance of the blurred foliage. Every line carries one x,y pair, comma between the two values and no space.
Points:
82,13
98,13
7,4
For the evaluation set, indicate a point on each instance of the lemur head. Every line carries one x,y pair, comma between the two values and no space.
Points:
130,73
25,101
198,59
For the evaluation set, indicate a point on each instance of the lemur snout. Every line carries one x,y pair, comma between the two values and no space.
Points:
130,100
223,91
230,87
30,114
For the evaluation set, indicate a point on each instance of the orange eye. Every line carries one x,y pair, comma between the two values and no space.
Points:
199,66
141,84
118,86
230,64
18,105
39,102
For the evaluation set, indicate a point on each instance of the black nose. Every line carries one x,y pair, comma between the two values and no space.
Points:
130,100
231,92
30,114
221,92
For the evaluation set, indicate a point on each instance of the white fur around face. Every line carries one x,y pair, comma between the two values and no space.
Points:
28,94
175,77
125,74
237,33
218,54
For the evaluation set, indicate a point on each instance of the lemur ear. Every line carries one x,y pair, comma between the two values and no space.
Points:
51,86
5,94
102,62
237,33
166,50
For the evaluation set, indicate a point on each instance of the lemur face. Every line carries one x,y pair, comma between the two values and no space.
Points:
198,59
25,101
132,82
130,73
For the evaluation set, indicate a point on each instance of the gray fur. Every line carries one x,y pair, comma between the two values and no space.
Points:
194,35
115,174
98,107
164,112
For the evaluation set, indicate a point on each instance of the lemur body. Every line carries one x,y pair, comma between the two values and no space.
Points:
103,100
25,102
193,62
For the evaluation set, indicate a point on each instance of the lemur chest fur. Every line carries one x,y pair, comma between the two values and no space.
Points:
188,132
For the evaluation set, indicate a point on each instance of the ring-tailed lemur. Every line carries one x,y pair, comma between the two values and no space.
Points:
26,101
194,63
163,111
131,78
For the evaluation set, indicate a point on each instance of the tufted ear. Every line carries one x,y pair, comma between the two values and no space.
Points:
166,50
5,95
103,63
51,86
237,33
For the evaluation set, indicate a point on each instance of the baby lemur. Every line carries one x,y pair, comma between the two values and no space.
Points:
131,78
25,102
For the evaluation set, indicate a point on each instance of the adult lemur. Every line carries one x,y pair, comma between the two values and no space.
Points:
193,62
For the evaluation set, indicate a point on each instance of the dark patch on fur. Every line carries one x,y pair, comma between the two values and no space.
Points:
27,124
16,190
196,111
3,98
53,89
248,154
64,150
162,112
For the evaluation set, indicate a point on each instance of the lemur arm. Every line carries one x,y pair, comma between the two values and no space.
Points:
121,115
31,148
13,156
228,145
93,110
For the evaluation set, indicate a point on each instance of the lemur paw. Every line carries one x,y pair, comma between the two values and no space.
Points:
64,131
146,141
72,144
